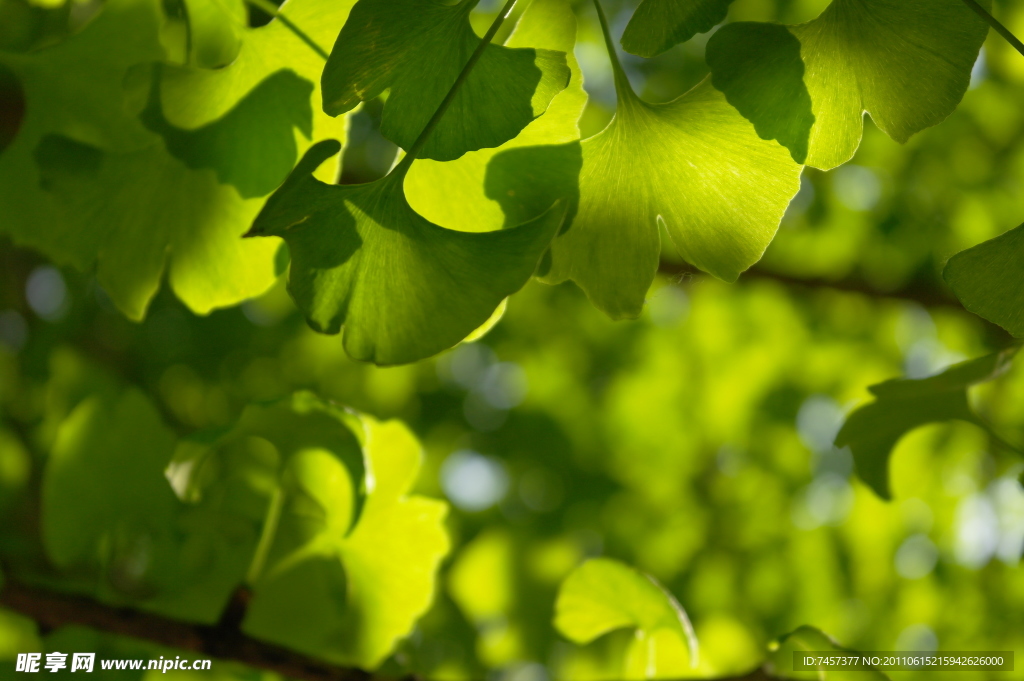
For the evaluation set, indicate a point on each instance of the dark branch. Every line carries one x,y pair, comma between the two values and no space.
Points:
918,292
223,640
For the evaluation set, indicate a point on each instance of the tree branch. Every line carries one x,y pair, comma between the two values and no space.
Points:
917,292
223,641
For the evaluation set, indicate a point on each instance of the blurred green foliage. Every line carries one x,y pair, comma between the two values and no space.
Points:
695,443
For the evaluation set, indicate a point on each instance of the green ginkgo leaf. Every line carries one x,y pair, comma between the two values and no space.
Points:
90,182
301,591
403,288
195,98
902,405
123,212
253,146
603,595
106,445
987,280
693,164
204,33
761,71
659,24
75,87
416,49
349,596
906,62
490,189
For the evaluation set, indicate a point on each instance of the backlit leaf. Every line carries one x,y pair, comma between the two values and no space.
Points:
416,50
104,446
901,405
350,598
91,183
490,189
403,287
659,24
603,595
987,280
693,164
906,62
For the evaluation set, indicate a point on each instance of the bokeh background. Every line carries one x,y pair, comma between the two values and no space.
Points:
694,443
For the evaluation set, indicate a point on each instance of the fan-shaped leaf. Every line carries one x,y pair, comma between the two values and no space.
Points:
350,598
416,50
904,404
103,446
490,189
603,595
132,206
693,164
659,24
906,62
403,287
988,280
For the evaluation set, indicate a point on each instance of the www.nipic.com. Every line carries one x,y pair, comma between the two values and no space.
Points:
86,662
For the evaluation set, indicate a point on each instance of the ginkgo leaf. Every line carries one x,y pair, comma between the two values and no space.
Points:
403,288
806,639
906,62
490,189
123,212
902,405
761,71
987,280
300,596
192,98
151,195
693,164
603,595
288,427
349,597
106,445
204,33
659,24
416,50
76,88
253,146
279,477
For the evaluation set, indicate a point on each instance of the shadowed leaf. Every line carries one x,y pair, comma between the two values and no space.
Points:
659,24
498,188
906,62
758,67
253,146
902,405
416,50
989,280
403,288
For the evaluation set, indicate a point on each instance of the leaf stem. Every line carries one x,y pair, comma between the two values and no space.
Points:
272,9
622,84
270,523
410,154
998,27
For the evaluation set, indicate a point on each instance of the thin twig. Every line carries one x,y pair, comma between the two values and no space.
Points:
996,25
271,9
410,154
